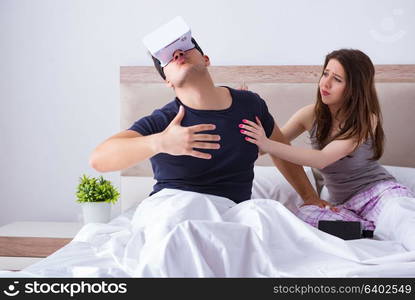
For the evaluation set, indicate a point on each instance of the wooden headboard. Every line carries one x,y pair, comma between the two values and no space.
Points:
285,89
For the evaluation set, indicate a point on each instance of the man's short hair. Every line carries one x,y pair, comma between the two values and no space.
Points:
157,63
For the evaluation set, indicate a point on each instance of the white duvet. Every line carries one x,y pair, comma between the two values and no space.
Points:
186,234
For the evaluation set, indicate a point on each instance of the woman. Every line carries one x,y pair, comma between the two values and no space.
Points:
345,126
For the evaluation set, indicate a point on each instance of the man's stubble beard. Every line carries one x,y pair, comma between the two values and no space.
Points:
192,73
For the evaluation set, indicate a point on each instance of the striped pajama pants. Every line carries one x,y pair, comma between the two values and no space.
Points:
367,206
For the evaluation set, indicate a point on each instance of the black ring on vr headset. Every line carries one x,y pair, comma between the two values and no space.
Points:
157,63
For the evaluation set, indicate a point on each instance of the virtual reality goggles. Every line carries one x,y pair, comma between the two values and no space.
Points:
167,39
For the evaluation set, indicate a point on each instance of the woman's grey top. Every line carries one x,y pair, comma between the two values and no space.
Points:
351,174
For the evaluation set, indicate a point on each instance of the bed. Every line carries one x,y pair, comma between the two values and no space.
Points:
257,238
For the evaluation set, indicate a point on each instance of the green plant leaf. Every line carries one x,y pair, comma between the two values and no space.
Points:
91,189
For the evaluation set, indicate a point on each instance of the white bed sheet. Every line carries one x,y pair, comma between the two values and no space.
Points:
185,234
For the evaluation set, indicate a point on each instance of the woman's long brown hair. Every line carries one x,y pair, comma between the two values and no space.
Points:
360,103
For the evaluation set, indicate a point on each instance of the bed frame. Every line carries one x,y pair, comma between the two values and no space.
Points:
285,89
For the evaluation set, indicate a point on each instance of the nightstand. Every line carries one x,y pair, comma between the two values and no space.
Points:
24,243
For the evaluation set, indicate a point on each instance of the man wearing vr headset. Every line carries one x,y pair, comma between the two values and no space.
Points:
194,142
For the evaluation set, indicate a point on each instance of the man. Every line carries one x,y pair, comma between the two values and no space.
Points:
194,142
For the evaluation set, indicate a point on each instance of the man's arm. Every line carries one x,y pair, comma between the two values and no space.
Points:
123,150
294,174
128,147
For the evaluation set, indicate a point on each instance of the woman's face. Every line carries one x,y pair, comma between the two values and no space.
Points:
332,84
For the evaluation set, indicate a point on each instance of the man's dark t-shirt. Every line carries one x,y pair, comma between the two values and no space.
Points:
229,173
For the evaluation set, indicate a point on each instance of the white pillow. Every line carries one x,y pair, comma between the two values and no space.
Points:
404,175
269,183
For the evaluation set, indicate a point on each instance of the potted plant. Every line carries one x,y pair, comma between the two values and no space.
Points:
96,196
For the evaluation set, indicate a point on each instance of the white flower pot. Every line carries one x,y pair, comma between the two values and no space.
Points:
96,212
